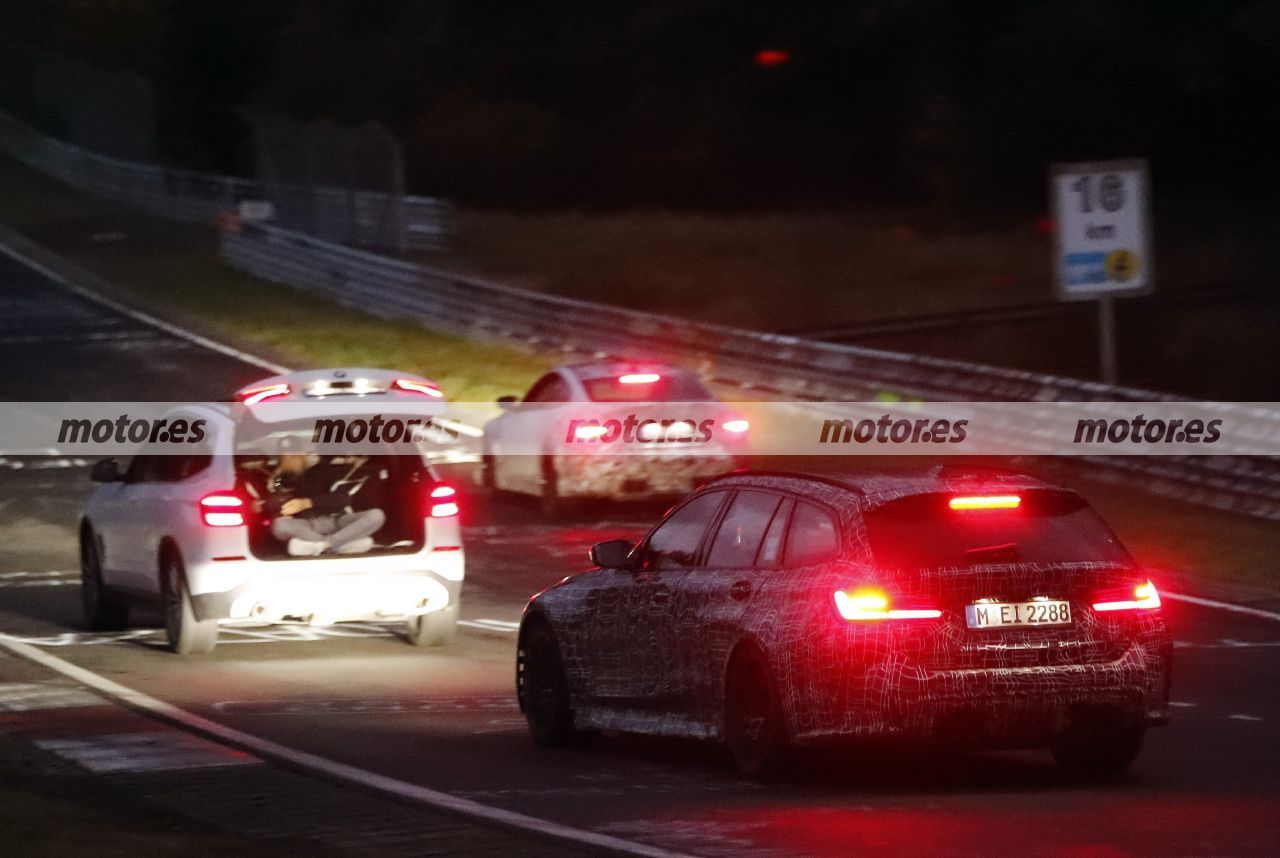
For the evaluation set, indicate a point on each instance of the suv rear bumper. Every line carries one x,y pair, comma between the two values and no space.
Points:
274,594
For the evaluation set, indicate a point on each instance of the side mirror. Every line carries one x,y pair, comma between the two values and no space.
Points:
506,403
611,554
106,471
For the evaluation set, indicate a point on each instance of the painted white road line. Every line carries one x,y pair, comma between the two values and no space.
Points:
1225,606
491,625
51,578
37,696
329,768
164,751
1244,717
49,573
83,638
41,464
145,318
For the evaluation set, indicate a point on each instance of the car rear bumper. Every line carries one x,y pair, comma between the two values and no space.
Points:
626,477
275,592
994,706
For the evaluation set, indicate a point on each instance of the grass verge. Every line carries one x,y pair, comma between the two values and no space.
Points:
174,271
803,271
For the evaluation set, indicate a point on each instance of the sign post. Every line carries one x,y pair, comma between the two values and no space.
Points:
1102,247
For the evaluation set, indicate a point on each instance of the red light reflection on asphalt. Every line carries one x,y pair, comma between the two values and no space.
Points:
1079,822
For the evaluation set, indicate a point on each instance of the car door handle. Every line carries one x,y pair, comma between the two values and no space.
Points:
661,595
740,590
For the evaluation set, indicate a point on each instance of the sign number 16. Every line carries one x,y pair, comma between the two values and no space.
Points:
1109,192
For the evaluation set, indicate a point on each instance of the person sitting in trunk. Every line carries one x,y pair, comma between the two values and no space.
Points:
312,507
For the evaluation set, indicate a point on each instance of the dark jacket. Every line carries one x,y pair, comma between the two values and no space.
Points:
323,484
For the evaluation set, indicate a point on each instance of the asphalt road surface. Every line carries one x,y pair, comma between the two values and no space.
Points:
447,719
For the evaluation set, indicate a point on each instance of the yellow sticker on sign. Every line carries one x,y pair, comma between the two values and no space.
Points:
1121,265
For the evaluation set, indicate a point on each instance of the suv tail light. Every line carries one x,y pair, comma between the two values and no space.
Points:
425,388
444,502
254,395
1142,597
222,509
870,604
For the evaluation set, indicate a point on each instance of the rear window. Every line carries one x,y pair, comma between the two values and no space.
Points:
670,387
924,532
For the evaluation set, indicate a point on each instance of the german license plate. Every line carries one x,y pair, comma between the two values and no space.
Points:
1041,612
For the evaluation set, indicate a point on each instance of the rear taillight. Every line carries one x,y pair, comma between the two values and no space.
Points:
425,388
736,426
589,432
1143,597
870,604
222,509
444,502
254,395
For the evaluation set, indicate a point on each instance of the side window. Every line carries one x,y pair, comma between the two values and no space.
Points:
142,469
814,536
173,469
675,544
549,388
771,546
742,530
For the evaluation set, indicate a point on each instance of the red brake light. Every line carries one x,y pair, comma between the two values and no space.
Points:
441,508
737,426
873,604
771,58
423,387
589,432
985,502
254,395
222,509
639,378
1143,597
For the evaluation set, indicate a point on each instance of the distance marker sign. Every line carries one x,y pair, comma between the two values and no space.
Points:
1103,245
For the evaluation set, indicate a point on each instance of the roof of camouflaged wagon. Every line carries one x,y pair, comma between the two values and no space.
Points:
869,489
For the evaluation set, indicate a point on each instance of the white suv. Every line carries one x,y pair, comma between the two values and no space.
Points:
187,531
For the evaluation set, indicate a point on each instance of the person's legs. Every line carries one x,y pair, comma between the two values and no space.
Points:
287,527
303,537
355,525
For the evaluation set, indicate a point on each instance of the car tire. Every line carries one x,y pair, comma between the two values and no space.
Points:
754,729
437,628
544,691
488,479
1097,749
102,611
187,635
553,505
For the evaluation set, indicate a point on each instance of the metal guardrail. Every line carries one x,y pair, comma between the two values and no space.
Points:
769,363
361,218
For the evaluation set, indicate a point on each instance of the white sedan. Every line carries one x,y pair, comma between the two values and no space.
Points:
523,450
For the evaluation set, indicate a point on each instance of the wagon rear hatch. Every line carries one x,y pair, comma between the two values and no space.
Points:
1015,574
